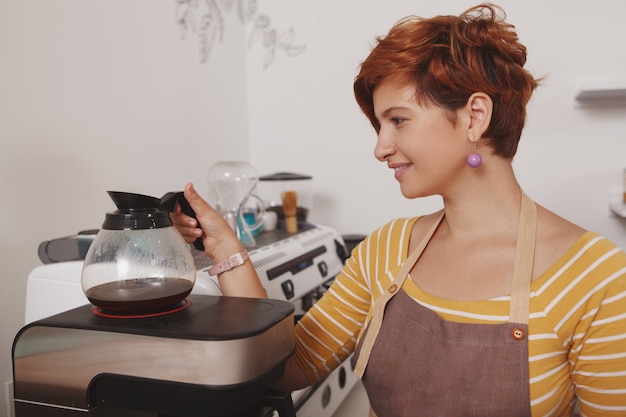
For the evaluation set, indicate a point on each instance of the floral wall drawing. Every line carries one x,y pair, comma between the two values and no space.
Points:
206,19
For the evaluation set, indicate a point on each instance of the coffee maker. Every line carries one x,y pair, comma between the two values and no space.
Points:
137,351
219,356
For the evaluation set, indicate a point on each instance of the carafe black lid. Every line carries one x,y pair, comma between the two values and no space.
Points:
135,212
132,201
285,176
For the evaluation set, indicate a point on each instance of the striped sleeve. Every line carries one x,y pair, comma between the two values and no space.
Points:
583,319
328,332
595,327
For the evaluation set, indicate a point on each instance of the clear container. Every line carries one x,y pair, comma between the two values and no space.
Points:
138,262
270,189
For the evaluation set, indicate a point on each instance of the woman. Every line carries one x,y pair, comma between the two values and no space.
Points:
493,306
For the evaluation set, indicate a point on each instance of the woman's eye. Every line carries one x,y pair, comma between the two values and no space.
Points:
397,120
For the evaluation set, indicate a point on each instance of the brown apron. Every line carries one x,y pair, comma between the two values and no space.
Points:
421,365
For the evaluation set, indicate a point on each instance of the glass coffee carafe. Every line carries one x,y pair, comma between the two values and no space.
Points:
138,262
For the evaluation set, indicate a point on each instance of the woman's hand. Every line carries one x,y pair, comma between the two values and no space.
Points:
220,242
186,225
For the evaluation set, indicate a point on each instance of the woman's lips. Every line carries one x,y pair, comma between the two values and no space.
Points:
400,170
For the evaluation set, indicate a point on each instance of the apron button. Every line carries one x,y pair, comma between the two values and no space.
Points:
392,288
518,334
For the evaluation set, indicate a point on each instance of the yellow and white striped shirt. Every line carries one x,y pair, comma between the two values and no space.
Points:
577,323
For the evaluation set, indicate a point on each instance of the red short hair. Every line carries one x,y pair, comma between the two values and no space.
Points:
449,58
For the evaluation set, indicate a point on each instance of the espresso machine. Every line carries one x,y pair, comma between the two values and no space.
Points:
145,347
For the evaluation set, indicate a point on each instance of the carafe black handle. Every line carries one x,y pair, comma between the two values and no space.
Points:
168,203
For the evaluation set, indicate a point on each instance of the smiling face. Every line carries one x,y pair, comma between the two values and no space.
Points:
424,147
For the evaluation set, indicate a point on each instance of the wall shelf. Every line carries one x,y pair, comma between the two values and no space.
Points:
617,205
602,92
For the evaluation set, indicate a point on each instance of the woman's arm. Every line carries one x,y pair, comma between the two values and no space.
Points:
220,242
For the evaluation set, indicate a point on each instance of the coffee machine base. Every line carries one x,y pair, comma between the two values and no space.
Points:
119,395
217,358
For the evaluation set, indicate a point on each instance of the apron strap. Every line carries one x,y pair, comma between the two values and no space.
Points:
379,305
524,260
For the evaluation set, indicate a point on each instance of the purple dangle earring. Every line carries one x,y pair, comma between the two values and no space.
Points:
474,160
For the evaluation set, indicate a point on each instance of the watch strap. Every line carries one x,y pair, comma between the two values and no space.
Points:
229,263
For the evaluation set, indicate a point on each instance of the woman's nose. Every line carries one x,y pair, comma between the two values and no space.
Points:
384,147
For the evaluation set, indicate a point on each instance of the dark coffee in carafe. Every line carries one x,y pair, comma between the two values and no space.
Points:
140,295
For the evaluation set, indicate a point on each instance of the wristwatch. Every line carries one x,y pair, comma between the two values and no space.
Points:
229,263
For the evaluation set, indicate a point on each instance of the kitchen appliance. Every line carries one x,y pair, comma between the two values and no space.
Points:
271,189
66,248
296,268
219,356
138,262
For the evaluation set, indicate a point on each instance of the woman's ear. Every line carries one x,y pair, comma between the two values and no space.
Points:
480,107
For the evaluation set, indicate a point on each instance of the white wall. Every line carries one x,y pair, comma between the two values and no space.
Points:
96,96
105,94
569,157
